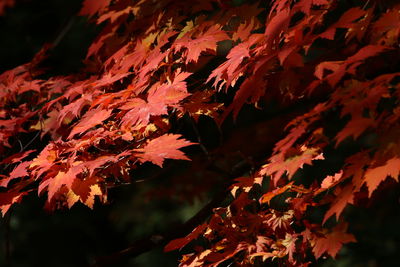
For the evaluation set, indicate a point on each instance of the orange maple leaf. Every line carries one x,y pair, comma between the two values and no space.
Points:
333,241
343,197
374,176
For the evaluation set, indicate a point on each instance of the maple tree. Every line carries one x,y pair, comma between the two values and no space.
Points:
329,69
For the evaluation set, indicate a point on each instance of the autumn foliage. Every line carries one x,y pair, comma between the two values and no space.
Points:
334,64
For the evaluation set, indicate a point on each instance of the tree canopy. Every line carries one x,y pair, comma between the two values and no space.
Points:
283,114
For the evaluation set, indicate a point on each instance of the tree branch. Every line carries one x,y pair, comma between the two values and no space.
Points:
150,242
157,240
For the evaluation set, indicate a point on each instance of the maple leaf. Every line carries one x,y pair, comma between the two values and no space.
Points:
95,47
159,98
17,157
328,65
140,111
244,30
189,26
169,94
388,24
207,41
229,71
164,147
91,7
98,162
113,15
266,198
44,161
251,88
95,190
344,197
355,127
279,220
198,104
331,180
290,244
277,24
279,165
285,52
181,242
110,78
345,21
72,198
21,170
84,191
332,242
67,178
49,125
81,187
54,184
339,68
388,21
366,52
9,198
245,183
375,175
90,119
73,108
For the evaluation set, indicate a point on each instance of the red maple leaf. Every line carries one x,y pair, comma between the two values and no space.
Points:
17,157
91,7
21,170
9,198
181,242
205,42
355,127
345,21
90,119
344,197
62,178
164,147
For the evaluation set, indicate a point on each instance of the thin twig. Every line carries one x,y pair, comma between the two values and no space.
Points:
146,244
156,240
30,142
199,140
365,5
64,31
